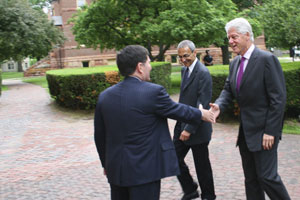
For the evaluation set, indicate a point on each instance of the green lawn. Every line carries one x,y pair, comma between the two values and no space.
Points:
291,126
8,75
41,81
3,88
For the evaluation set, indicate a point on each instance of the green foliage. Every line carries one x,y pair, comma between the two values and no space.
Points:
281,21
292,79
160,74
79,91
25,31
41,81
113,24
79,87
291,126
7,75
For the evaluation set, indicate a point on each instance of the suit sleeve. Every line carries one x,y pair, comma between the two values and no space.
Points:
204,93
226,95
99,133
167,108
276,93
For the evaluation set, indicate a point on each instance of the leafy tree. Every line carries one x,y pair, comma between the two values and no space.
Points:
113,24
281,19
25,31
228,11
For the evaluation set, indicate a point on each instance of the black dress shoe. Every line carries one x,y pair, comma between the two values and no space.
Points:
191,195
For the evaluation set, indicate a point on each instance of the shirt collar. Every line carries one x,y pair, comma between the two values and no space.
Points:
249,52
192,66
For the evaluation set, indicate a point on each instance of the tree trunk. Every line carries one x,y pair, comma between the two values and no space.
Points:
20,68
149,47
225,54
162,51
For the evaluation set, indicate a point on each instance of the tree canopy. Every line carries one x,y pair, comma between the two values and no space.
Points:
25,31
109,24
281,19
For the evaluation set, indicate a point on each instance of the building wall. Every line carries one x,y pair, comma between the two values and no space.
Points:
12,66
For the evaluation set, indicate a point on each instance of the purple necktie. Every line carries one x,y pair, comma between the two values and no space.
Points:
240,74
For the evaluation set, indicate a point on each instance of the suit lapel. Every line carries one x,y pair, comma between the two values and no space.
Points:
234,71
250,66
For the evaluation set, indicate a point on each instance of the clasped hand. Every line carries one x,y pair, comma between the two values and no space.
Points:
211,114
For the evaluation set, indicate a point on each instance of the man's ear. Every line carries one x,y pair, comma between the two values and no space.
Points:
248,35
139,67
195,52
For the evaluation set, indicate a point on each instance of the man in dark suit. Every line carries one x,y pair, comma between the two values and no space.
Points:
256,81
196,89
131,130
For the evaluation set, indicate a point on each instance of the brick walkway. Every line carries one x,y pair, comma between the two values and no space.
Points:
48,153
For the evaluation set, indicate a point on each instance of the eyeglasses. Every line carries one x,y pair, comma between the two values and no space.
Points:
185,56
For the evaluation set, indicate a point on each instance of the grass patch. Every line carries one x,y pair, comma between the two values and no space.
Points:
80,71
41,81
291,126
4,88
8,75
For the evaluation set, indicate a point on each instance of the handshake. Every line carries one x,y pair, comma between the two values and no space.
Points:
211,114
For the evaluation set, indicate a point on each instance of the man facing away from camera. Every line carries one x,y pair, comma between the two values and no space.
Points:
256,81
196,89
131,131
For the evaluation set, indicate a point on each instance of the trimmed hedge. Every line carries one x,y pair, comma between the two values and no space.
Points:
161,74
79,87
292,79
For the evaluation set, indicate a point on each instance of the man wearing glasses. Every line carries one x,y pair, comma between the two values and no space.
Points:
196,89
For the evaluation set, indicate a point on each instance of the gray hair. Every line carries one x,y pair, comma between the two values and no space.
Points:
242,26
186,43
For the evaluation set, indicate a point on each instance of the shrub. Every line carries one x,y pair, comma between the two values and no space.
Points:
161,74
79,87
292,80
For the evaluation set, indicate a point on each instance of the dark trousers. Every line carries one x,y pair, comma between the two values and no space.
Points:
260,170
203,169
148,191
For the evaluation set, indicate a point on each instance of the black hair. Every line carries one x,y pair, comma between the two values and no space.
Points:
129,57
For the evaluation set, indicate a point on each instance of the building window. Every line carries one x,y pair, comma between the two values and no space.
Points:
26,65
11,66
80,3
85,63
174,58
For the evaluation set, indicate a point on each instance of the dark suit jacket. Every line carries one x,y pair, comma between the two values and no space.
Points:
261,98
132,135
198,90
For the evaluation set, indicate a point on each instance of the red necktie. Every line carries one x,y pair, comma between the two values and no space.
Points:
240,74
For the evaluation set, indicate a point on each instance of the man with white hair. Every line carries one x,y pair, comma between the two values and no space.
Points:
256,81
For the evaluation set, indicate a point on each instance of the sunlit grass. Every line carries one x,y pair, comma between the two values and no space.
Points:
8,75
291,126
41,81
